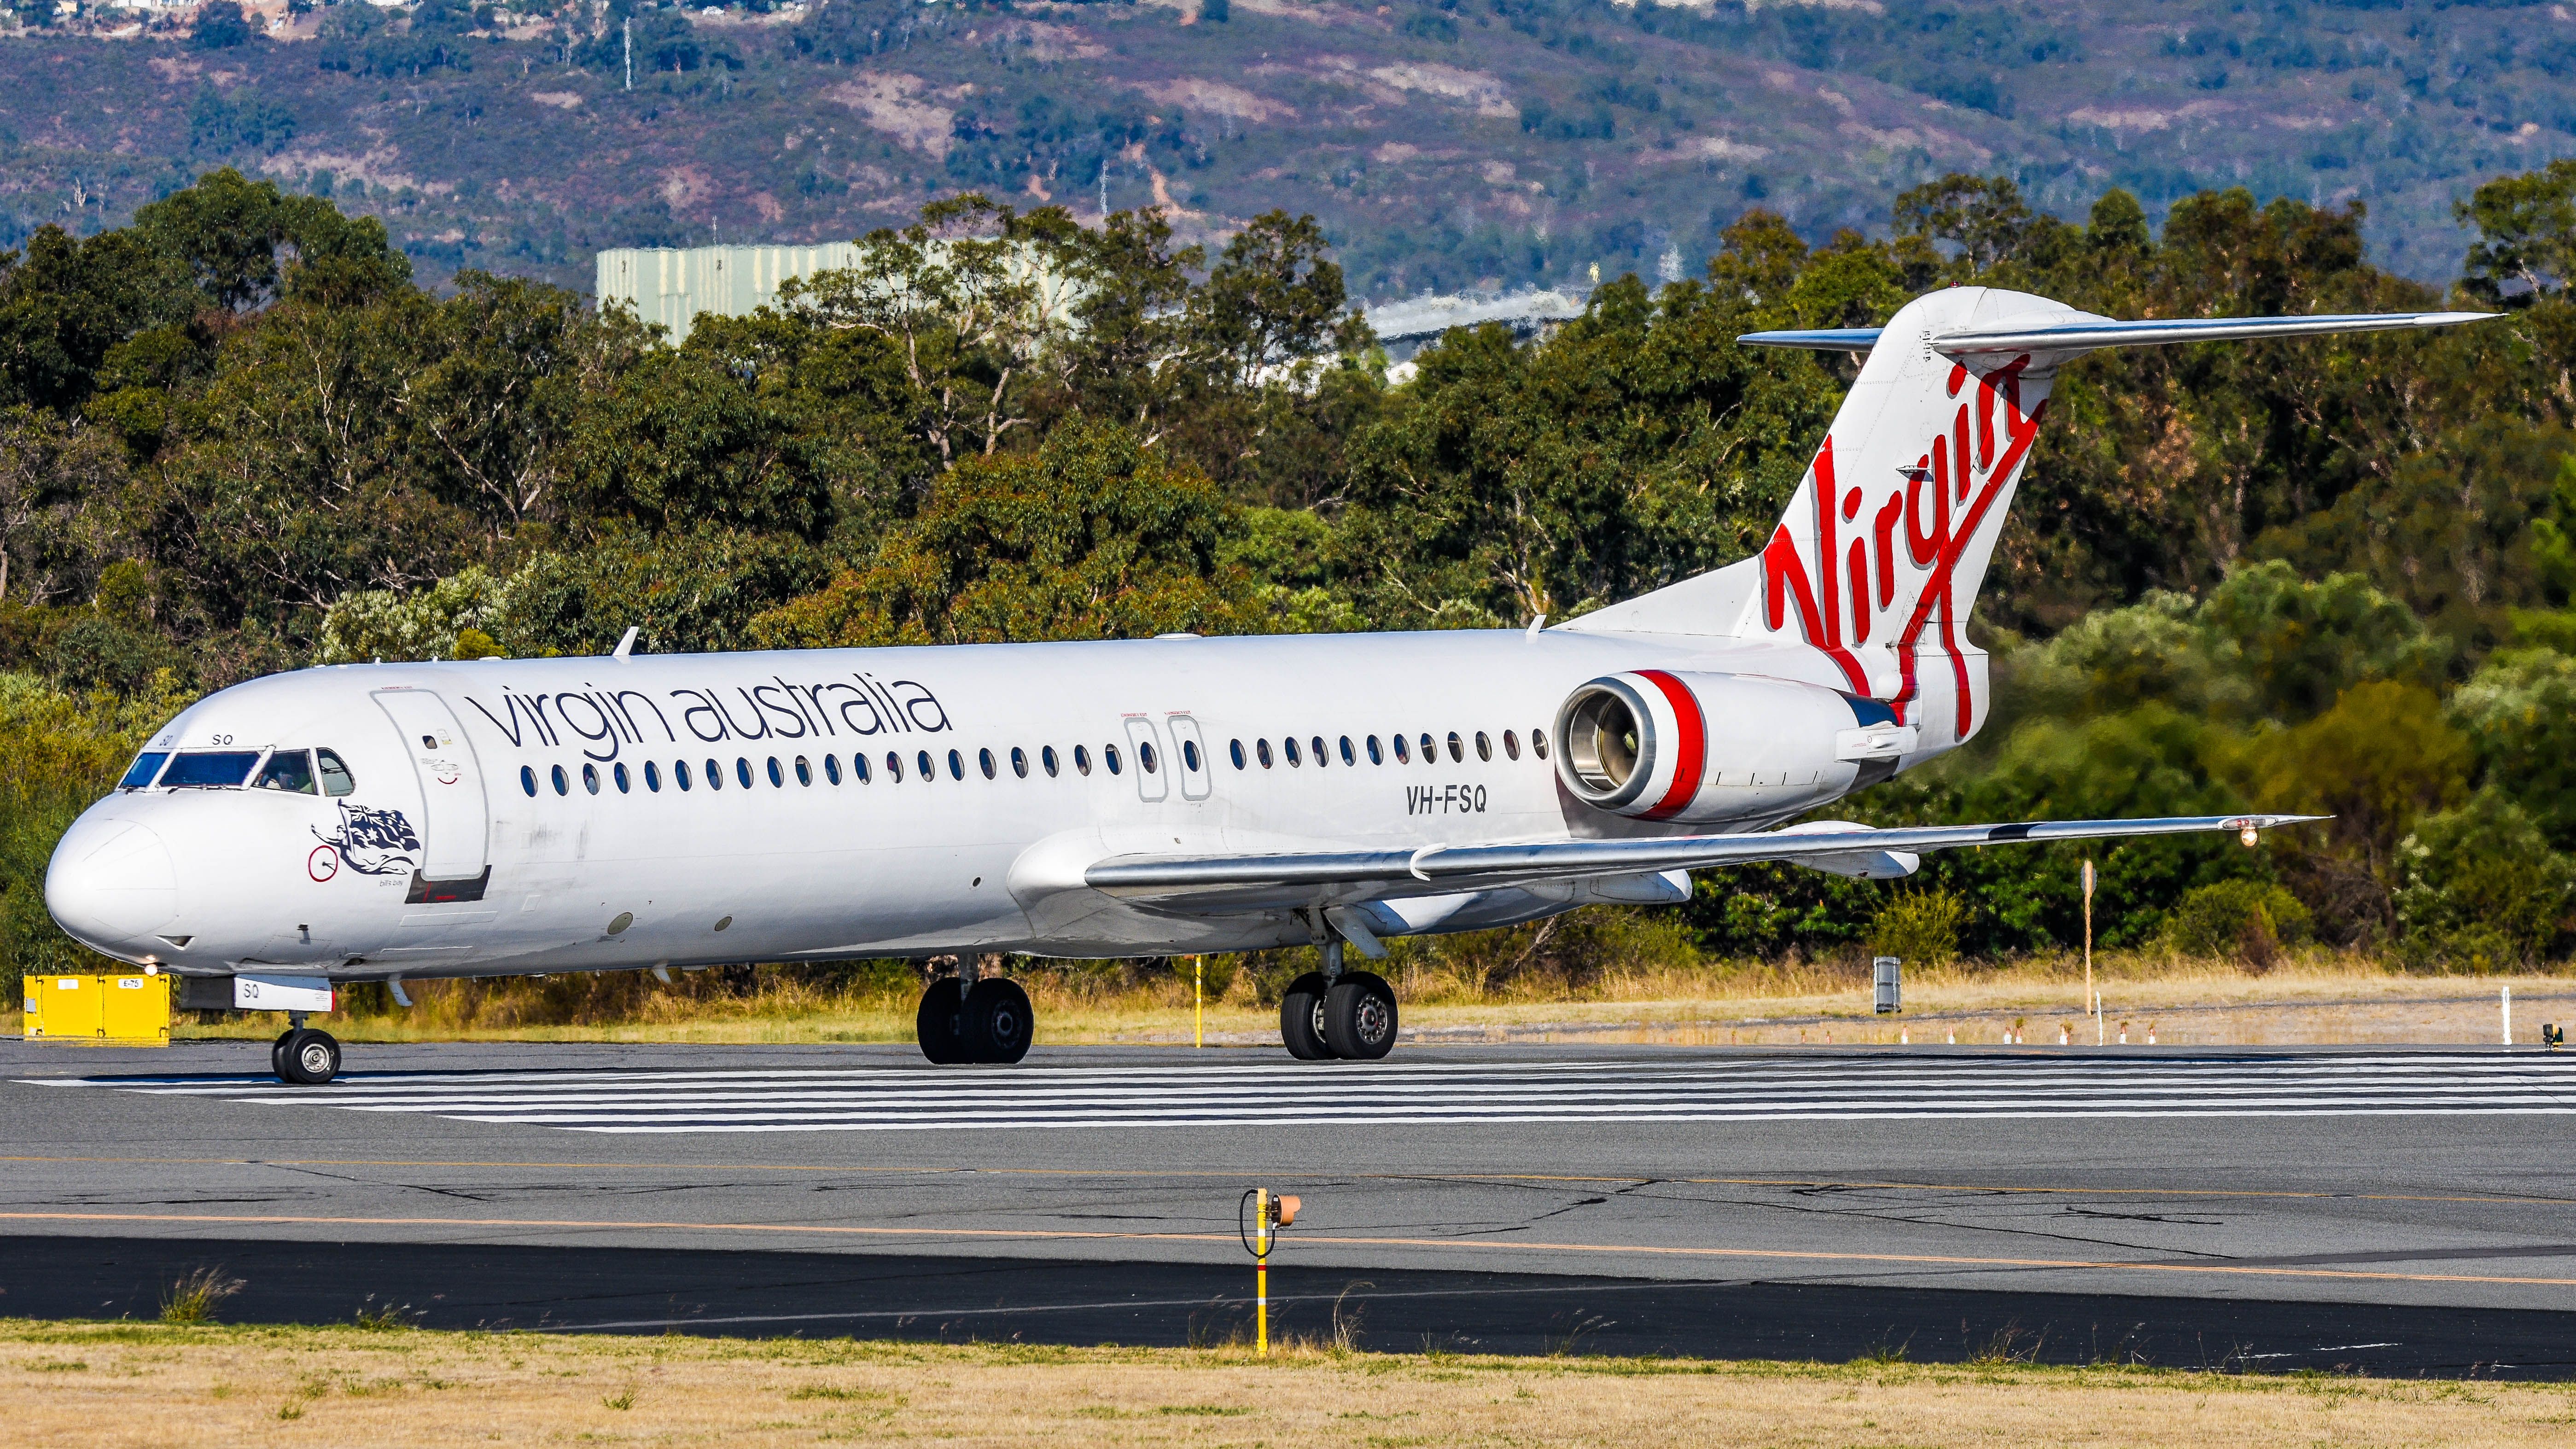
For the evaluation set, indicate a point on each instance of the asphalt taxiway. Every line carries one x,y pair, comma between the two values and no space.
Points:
2396,1210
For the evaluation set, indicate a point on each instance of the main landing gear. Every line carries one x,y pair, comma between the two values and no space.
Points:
963,1019
1336,1013
302,1056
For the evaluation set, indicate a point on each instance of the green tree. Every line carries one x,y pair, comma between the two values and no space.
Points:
1094,536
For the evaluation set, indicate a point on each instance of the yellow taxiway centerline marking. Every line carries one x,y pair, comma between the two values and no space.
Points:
1231,1174
1486,1244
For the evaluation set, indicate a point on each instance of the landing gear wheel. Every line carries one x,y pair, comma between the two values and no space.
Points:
308,1058
999,1023
1301,1018
277,1055
1359,1017
941,1022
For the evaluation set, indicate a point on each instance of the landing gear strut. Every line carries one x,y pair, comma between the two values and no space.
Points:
963,1019
1335,1013
302,1056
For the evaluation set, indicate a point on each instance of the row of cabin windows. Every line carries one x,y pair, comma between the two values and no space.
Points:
926,767
1322,755
290,772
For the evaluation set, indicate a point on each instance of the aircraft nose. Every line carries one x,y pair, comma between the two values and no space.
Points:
112,885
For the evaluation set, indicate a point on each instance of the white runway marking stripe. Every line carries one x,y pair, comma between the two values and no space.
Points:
1193,1094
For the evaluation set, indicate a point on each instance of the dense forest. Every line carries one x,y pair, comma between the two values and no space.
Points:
2317,575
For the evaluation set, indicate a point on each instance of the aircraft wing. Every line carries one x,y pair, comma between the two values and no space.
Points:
1236,882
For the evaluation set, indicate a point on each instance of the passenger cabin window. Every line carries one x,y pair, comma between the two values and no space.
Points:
1484,746
1538,743
209,770
1403,751
1511,745
625,782
956,766
1109,757
832,768
984,762
1430,750
528,780
1457,749
653,777
287,770
1046,757
1261,751
715,776
742,770
1321,759
929,771
1019,762
1190,753
336,779
590,778
894,767
563,785
1288,747
1081,760
1349,757
1377,752
145,767
680,772
805,771
1145,757
859,768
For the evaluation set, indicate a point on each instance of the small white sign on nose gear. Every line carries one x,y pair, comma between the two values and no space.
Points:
282,993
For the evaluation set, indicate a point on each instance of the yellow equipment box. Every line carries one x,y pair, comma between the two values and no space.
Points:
100,1010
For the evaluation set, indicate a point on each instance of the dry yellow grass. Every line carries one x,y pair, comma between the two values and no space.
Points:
113,1385
2319,997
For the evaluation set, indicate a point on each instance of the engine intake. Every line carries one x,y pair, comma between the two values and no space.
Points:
1652,744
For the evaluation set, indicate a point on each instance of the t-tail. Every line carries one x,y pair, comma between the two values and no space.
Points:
1870,575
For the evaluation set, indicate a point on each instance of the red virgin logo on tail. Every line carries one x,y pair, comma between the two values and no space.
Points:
1940,503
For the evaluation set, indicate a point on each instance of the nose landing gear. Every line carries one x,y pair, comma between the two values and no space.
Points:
1334,1013
304,1057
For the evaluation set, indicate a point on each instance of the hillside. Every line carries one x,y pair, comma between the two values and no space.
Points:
1500,142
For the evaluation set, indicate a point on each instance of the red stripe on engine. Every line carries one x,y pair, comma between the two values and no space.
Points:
1694,745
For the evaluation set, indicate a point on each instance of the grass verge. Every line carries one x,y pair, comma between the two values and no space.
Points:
133,1384
2317,998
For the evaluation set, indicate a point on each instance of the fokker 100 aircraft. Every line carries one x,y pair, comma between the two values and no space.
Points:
1144,797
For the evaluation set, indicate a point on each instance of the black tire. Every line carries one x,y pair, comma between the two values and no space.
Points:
1301,1018
941,1022
1359,1017
999,1023
310,1058
277,1055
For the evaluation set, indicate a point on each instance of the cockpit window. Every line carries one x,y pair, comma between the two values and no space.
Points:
203,769
288,770
146,765
336,779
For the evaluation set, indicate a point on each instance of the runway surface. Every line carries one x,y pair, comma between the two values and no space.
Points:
907,1098
2409,1211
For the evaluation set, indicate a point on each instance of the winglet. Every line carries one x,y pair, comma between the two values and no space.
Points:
626,645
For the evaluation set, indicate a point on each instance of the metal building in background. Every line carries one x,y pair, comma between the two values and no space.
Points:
675,287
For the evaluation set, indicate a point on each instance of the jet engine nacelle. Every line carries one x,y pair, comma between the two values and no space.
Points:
1654,744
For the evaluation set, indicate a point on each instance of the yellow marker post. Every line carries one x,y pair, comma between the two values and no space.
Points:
1198,1001
1269,1215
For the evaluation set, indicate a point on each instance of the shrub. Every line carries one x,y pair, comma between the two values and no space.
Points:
1920,927
2246,920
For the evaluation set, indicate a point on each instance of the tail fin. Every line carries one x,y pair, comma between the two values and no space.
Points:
1877,562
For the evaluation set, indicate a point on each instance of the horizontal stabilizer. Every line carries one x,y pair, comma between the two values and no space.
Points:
1237,882
2102,332
1821,339
2082,331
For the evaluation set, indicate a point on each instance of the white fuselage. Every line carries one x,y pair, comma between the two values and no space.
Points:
440,861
